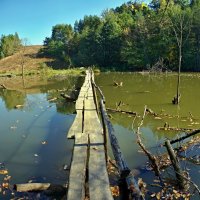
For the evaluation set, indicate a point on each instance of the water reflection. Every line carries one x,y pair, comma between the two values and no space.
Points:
33,142
12,98
155,91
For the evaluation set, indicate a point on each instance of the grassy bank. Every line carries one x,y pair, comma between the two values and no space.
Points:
11,66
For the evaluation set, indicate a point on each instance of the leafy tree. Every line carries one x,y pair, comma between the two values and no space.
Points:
9,45
59,45
132,36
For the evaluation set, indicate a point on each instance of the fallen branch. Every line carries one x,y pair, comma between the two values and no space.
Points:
67,97
30,187
151,157
115,83
148,110
3,86
195,185
175,129
121,111
186,136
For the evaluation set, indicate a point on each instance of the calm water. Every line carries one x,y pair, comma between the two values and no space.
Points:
41,119
155,91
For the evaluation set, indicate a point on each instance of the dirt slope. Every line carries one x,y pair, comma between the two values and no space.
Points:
29,55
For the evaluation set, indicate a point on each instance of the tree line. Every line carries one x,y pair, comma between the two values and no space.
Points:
9,44
133,36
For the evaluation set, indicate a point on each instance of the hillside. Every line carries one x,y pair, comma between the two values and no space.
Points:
32,62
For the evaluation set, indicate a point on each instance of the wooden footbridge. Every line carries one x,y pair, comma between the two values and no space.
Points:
88,173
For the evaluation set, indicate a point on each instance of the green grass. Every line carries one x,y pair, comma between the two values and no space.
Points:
44,70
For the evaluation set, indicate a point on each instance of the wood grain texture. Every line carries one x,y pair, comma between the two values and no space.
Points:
98,177
77,125
77,176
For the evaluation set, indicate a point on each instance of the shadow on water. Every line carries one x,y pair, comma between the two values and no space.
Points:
33,137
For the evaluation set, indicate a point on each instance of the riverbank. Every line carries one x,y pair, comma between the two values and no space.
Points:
28,59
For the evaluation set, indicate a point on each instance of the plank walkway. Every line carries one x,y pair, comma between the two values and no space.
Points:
88,172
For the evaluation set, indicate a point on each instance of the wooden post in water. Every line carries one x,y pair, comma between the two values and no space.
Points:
176,166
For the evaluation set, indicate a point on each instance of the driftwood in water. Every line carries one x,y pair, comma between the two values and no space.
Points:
175,129
32,187
176,166
186,136
133,187
2,86
176,100
115,83
121,111
148,110
67,97
151,157
120,161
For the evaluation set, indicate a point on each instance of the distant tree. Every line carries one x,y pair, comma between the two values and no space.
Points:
196,33
9,45
59,44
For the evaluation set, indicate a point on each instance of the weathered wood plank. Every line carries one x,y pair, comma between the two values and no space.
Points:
77,125
89,104
98,177
93,127
79,104
77,175
86,125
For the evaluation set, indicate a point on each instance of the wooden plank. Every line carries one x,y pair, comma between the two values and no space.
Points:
89,104
98,177
77,175
93,127
76,126
79,104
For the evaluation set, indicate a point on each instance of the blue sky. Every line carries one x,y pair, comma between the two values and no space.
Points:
33,19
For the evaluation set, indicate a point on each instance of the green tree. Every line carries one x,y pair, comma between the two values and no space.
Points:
9,44
59,44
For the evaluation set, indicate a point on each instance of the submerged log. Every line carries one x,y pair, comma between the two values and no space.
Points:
67,97
121,111
2,86
120,84
33,187
148,110
176,100
176,166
